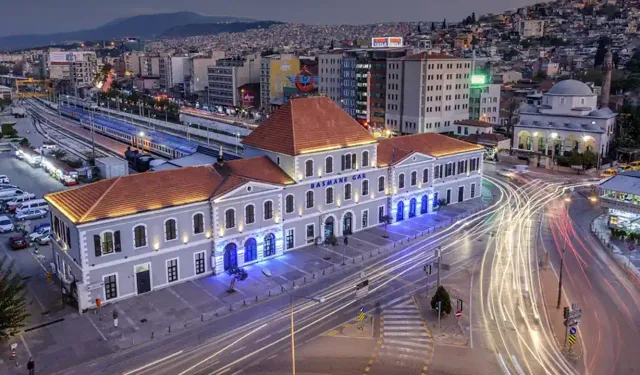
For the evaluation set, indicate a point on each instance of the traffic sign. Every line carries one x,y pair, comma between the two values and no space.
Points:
427,269
361,314
573,330
571,339
444,267
458,314
574,322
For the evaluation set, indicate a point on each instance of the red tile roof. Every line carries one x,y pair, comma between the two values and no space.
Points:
394,150
128,195
476,123
305,125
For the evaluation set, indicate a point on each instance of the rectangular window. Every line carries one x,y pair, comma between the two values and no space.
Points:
347,192
172,270
110,287
289,239
365,218
380,213
436,171
311,231
199,263
473,190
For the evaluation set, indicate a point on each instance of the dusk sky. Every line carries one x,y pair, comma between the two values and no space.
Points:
37,16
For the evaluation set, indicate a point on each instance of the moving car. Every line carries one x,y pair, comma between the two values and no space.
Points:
31,213
5,224
4,179
507,172
625,168
609,172
18,242
635,165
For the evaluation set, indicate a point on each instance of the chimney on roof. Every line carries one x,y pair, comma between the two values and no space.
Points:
220,157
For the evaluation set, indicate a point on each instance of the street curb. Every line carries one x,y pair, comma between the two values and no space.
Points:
621,260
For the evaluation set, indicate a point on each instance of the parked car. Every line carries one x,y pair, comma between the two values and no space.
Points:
9,194
15,202
39,204
4,179
42,226
35,236
7,186
609,172
44,240
18,242
6,225
29,214
635,165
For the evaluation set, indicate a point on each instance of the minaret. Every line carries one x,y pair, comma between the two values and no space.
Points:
607,69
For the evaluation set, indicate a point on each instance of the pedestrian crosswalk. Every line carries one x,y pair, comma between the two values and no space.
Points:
406,345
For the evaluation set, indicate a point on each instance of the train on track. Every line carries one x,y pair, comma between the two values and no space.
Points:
140,138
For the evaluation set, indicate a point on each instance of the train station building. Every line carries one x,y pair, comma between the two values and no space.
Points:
311,173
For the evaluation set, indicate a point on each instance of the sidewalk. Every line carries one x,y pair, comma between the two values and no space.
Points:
173,309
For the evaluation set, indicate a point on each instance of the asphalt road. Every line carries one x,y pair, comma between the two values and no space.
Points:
610,302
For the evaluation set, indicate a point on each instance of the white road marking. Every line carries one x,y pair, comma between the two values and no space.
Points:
24,342
183,300
96,327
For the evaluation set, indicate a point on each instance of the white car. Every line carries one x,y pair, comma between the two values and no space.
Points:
31,214
507,172
5,224
44,232
7,186
4,179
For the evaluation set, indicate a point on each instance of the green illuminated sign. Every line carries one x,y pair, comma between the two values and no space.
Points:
478,79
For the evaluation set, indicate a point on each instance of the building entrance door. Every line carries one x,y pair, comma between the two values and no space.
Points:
143,278
328,228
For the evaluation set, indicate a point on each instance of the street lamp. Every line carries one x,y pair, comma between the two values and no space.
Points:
268,274
567,200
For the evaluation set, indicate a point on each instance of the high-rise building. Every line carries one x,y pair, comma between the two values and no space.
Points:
198,71
427,93
330,73
275,74
228,75
76,67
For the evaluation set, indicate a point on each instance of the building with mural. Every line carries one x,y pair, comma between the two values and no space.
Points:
275,71
311,173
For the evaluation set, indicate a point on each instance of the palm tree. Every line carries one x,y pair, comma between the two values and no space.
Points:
58,154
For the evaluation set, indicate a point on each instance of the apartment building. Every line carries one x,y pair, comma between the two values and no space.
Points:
330,72
427,93
484,102
531,28
198,71
226,77
275,75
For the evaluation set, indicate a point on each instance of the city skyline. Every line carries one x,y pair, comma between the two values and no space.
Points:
32,17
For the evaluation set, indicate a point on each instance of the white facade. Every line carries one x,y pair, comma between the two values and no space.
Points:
198,73
427,93
531,28
567,120
329,70
484,103
228,75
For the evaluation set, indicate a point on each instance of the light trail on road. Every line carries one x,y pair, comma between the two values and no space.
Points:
510,285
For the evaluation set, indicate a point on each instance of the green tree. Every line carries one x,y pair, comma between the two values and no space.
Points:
9,131
24,142
443,297
442,203
541,75
589,159
13,300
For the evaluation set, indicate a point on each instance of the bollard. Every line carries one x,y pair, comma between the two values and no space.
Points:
322,272
152,334
230,307
202,317
169,329
353,260
185,324
269,293
304,280
132,342
244,302
313,275
256,298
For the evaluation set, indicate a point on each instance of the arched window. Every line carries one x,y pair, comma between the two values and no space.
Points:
414,178
309,199
289,204
268,210
170,230
140,236
250,250
365,158
198,223
230,218
269,245
365,187
381,183
329,195
347,192
424,205
308,168
250,214
401,181
425,175
328,165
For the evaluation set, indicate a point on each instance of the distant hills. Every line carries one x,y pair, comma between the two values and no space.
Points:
145,26
215,28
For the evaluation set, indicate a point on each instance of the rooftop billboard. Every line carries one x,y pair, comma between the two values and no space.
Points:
386,42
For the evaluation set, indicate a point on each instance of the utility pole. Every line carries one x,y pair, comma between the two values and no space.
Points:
439,254
93,136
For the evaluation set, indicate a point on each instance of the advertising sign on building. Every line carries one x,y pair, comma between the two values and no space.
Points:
248,99
65,57
386,42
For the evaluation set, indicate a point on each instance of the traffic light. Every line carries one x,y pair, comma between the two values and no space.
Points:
566,313
48,277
